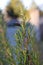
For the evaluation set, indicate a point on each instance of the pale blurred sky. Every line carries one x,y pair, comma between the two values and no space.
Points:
27,3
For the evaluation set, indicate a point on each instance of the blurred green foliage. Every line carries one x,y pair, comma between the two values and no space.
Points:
19,9
6,57
24,51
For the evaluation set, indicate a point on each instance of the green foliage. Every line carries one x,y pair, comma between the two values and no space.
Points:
19,9
17,6
6,57
24,51
25,38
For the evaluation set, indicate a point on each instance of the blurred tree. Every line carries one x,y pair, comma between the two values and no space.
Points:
17,6
25,49
23,39
6,57
19,9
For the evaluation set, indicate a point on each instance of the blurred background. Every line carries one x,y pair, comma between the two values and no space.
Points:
32,10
